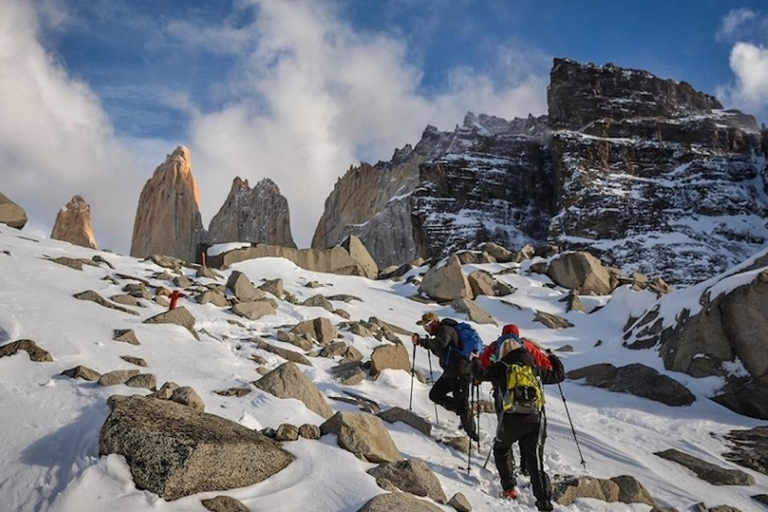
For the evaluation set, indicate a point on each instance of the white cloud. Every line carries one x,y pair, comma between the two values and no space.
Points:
314,96
749,64
732,23
55,139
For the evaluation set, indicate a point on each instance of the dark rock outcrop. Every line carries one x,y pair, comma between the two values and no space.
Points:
257,215
707,471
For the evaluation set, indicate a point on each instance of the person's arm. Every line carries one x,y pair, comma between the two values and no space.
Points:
556,374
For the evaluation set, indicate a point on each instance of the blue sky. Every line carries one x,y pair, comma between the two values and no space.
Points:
298,90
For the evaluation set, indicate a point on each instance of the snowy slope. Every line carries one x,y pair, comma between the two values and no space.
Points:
50,424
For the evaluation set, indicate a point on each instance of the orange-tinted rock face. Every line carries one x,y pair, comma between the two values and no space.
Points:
73,224
11,214
168,215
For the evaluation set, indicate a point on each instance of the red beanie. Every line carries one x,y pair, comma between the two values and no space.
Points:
511,329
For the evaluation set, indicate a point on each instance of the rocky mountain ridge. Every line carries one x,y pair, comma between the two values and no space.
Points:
649,173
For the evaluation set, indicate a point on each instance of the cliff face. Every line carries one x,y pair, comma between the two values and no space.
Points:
650,173
259,215
73,224
168,215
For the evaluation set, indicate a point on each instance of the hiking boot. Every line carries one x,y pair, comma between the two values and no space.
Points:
544,506
511,494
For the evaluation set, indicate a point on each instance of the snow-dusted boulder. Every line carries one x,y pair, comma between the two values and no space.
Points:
446,283
362,434
287,381
413,476
73,224
582,272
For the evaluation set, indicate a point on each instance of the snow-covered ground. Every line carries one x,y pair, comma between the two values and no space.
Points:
50,424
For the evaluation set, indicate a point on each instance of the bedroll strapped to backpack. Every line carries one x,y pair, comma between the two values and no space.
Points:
469,342
524,394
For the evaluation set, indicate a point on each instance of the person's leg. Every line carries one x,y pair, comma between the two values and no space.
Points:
460,388
439,393
508,433
532,449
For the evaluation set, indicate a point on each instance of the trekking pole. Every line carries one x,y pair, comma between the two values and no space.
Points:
477,402
431,380
413,374
471,410
567,412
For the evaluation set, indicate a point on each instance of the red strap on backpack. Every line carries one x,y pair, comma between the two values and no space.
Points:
539,357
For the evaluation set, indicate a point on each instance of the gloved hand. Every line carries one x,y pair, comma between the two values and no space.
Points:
416,339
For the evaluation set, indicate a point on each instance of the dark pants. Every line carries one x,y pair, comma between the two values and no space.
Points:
459,387
531,436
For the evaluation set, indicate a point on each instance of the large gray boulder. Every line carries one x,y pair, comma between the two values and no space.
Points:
179,316
474,312
360,254
635,379
37,354
11,214
239,284
482,283
447,282
408,417
362,434
567,491
287,381
175,451
255,309
399,501
318,329
582,272
389,357
707,471
413,476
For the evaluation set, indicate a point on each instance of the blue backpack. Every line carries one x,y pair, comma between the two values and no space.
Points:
469,341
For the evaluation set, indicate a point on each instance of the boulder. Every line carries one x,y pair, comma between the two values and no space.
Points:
168,220
319,329
143,380
413,476
224,504
215,297
748,398
73,224
567,491
474,312
257,215
474,257
175,451
255,309
460,443
166,391
447,282
134,360
707,471
582,272
288,355
349,373
185,395
636,379
460,503
574,303
526,253
238,392
408,417
552,321
73,263
287,432
632,491
287,381
11,214
319,301
92,296
116,377
32,349
360,254
179,316
499,253
309,431
749,448
396,502
82,372
389,357
182,281
239,284
127,300
334,349
275,287
125,336
362,434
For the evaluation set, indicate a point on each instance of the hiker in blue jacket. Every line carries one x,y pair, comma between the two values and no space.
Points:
444,343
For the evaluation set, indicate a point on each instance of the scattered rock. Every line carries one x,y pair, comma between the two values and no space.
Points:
635,379
126,336
446,283
761,498
116,377
11,214
460,503
101,301
336,348
126,300
582,272
632,491
408,417
35,353
397,502
289,355
474,312
144,380
138,290
482,283
208,273
275,287
552,321
179,316
474,257
242,287
255,309
287,432
499,253
185,395
175,451
82,372
314,284
166,391
287,381
224,504
412,476
215,297
73,263
564,348
238,392
181,281
362,434
343,297
309,431
708,472
574,303
565,492
350,373
526,253
749,448
461,443
134,360
503,289
389,357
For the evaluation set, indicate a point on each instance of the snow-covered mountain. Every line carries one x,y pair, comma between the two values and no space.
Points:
651,174
51,423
